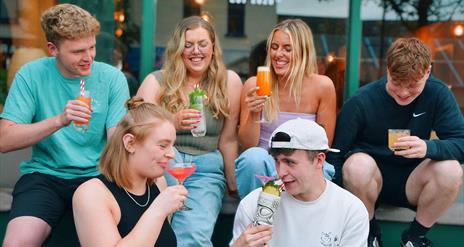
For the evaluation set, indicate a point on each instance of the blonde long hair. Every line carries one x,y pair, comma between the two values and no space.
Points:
303,63
138,122
214,83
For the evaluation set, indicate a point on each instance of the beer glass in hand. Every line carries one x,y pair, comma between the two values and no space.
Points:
393,135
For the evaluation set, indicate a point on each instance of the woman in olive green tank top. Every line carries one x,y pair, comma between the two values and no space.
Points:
193,58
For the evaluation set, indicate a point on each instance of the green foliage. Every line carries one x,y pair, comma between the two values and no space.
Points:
414,14
423,12
271,188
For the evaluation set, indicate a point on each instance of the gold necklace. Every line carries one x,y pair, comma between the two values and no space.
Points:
138,204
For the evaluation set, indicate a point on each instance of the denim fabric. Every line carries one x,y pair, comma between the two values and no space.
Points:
206,188
257,161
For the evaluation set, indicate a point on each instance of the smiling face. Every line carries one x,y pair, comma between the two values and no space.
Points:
198,51
299,173
405,93
281,52
74,58
150,157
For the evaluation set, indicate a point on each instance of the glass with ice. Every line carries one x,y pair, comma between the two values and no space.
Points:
393,135
84,97
196,98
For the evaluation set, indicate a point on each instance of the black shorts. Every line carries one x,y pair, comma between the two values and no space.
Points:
43,196
394,184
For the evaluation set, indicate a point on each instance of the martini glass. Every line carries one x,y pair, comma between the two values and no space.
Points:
181,170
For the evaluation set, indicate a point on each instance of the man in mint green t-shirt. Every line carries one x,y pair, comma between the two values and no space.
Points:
41,111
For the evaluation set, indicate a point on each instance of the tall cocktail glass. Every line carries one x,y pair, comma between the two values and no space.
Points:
83,126
263,81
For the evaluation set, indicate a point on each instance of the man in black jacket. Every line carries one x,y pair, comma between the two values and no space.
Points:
426,176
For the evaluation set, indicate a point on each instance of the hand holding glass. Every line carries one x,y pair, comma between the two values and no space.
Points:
393,135
181,170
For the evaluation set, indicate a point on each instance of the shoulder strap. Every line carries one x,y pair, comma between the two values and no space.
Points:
158,75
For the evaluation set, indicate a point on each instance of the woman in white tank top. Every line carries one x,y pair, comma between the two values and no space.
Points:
297,91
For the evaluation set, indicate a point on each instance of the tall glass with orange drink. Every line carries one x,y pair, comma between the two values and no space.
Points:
83,126
263,81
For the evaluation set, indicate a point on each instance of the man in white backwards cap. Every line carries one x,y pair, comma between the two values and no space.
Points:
313,211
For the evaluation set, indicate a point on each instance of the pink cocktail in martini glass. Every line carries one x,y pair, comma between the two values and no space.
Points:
181,170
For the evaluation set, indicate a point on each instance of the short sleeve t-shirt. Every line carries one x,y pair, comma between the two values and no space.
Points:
39,91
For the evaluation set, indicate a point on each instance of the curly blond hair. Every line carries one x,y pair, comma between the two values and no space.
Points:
408,59
214,83
68,21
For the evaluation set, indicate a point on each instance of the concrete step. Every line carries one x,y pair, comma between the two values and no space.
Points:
454,215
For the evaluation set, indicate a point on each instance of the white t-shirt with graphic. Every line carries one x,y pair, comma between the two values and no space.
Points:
336,218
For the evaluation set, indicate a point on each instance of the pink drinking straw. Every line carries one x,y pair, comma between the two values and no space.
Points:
264,179
82,87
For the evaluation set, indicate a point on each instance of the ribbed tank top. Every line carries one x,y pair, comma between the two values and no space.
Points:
131,212
186,143
268,127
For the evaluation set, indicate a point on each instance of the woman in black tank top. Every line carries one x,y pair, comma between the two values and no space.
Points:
124,205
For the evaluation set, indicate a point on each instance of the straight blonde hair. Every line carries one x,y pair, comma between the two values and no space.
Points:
214,83
141,118
303,63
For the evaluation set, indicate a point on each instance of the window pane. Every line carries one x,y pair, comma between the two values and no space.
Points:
235,20
22,39
191,7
